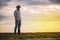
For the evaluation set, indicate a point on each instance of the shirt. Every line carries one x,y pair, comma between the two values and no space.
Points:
17,14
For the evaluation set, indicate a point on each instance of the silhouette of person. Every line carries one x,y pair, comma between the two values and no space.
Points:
17,19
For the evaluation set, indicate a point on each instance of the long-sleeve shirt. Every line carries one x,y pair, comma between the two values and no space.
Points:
17,15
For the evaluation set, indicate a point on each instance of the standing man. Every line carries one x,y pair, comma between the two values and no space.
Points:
17,19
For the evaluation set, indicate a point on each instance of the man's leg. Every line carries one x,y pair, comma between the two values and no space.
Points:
16,22
19,25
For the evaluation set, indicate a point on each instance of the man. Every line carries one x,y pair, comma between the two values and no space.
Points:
17,19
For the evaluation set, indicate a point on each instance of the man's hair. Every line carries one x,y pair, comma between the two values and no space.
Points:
18,6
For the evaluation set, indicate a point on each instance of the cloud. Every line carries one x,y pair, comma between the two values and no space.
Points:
4,3
2,17
55,1
34,2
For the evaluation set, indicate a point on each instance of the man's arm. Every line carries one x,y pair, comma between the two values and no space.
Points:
15,15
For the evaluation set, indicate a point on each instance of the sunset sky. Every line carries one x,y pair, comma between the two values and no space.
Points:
37,15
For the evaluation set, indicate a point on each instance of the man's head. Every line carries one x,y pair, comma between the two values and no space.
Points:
18,7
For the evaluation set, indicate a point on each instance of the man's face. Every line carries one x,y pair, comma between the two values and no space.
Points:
18,8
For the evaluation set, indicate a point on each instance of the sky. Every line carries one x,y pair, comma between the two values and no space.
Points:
36,15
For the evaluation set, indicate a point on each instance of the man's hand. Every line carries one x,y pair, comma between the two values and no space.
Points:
15,17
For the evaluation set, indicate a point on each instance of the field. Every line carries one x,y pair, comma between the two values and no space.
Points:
30,36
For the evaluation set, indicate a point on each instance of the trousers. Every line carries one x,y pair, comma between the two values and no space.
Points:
17,25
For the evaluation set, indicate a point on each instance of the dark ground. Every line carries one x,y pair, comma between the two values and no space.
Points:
31,36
